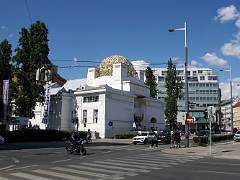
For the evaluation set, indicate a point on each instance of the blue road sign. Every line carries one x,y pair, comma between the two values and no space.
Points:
110,123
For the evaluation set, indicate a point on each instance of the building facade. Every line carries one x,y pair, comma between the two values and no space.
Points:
236,115
115,99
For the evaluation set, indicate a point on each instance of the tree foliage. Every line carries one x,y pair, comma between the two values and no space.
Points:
5,69
151,82
174,91
31,54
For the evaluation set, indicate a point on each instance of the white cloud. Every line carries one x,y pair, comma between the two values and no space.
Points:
237,23
140,64
228,13
232,48
194,63
212,59
225,88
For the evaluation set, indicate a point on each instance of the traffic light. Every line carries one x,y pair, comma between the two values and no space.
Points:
205,114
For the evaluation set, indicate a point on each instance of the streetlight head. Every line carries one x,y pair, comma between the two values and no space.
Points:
171,30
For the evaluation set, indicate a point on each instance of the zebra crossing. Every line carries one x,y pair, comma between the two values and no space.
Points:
112,168
124,147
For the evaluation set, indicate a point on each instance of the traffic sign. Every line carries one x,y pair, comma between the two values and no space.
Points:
110,123
189,120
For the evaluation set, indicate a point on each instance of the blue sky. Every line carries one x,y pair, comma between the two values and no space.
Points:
137,29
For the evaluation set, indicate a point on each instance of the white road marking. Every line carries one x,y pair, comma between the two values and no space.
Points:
1,178
7,167
15,160
115,167
100,175
29,176
127,165
218,172
138,163
151,161
61,175
64,160
103,170
163,159
23,167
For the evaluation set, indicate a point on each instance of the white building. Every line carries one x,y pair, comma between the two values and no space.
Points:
113,97
111,100
62,105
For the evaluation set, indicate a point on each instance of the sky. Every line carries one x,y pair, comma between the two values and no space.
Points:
92,30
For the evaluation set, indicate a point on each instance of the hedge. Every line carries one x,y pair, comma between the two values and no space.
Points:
204,140
36,135
126,135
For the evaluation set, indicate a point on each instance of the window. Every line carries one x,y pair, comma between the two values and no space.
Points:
95,115
194,73
90,99
84,116
202,77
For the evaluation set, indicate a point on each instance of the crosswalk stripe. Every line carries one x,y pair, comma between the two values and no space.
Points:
127,165
80,172
139,163
166,157
1,178
61,175
145,160
102,170
29,176
115,167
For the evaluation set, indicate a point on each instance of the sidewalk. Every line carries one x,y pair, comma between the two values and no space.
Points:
228,150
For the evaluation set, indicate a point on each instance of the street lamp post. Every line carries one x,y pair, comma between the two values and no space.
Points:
186,80
231,96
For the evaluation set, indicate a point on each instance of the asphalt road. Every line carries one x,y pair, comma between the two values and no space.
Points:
49,161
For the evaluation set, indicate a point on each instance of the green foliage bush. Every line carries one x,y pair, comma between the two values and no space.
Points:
126,135
204,140
201,140
37,135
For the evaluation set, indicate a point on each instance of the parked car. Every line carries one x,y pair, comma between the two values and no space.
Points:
236,136
144,137
1,140
164,136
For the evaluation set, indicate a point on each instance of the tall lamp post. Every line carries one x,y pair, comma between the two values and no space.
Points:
231,98
186,80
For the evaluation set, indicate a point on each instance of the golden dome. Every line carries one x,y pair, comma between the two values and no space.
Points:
106,66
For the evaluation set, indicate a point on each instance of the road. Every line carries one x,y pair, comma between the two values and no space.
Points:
110,161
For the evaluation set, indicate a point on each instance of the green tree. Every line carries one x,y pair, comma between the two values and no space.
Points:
5,68
174,91
31,54
151,82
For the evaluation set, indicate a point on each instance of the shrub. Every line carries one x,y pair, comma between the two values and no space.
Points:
126,135
201,140
204,140
37,135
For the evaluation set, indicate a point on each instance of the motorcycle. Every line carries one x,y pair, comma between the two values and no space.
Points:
77,147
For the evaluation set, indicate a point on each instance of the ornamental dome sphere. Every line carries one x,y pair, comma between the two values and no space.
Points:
106,66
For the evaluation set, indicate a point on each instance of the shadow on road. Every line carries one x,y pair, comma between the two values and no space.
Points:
51,144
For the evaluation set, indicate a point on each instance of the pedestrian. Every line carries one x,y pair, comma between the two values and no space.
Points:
178,139
154,140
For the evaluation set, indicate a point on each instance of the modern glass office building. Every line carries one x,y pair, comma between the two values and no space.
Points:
203,90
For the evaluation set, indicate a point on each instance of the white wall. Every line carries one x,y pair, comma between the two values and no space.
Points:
119,110
99,127
155,108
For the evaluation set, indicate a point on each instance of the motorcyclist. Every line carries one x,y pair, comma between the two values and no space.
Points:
74,138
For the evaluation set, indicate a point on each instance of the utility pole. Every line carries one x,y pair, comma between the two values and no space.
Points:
186,80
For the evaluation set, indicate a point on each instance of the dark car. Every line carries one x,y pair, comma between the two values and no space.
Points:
202,133
164,136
